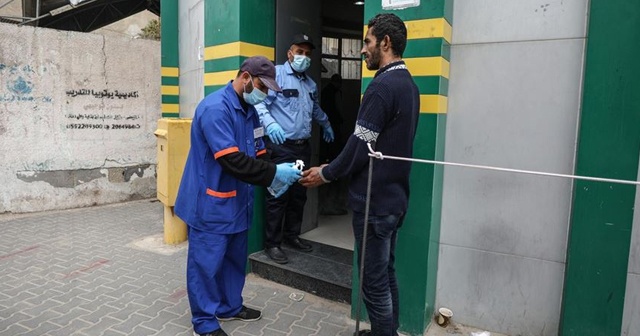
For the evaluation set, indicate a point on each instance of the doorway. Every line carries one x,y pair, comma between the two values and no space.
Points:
336,29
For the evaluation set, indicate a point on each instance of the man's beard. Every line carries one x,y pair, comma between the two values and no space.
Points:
374,59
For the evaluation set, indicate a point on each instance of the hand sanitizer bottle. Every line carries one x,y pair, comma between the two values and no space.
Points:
274,190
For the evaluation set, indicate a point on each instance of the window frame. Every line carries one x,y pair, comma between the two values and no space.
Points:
339,57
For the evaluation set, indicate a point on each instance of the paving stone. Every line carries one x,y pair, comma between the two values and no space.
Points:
174,329
14,329
125,312
70,329
100,326
110,332
301,331
5,323
329,329
271,332
69,316
131,323
311,319
99,314
160,320
81,278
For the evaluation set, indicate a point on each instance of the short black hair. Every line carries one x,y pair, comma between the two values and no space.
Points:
390,24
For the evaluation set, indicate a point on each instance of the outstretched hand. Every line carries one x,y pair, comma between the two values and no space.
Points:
311,177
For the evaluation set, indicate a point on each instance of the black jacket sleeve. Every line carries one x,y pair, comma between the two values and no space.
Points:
247,169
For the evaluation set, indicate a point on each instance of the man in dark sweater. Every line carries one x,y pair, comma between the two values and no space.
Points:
387,119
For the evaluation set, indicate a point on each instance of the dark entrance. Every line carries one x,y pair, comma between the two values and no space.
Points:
336,27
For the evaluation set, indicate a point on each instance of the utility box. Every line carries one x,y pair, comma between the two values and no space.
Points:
174,140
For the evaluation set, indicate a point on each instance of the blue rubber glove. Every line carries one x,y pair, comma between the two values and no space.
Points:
328,135
276,133
286,175
288,172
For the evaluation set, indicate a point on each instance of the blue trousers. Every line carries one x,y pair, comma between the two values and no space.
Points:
216,266
379,284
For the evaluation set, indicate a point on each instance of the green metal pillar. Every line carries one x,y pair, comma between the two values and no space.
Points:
170,61
608,146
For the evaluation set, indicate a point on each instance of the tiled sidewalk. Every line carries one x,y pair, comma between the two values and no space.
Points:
103,271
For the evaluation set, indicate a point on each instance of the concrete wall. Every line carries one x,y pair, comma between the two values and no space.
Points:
77,116
129,27
13,8
191,55
630,321
514,100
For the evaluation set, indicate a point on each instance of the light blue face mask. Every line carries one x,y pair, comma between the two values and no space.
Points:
255,97
300,63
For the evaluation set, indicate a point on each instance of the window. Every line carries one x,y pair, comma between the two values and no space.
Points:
341,55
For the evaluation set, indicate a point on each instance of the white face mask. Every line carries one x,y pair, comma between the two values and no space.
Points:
300,63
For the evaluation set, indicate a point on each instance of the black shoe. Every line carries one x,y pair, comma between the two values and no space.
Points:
246,314
298,244
363,333
218,332
276,254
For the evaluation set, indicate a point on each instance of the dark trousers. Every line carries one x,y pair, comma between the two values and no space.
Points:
379,284
284,214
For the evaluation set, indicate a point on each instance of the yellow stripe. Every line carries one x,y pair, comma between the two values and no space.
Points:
427,28
170,72
447,31
172,90
170,108
433,104
219,78
428,66
238,49
419,66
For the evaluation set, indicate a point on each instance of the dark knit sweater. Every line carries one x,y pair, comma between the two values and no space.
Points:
388,117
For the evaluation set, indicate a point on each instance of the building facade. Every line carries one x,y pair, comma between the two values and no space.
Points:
548,87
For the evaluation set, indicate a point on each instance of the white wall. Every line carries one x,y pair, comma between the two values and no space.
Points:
62,147
191,18
514,100
630,321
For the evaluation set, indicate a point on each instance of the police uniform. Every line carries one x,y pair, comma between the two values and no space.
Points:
218,206
294,109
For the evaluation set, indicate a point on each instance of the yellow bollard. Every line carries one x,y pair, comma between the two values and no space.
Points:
175,230
173,142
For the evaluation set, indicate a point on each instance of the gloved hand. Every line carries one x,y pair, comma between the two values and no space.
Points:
328,135
276,133
286,175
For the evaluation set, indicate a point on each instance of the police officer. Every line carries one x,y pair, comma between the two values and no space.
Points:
287,117
215,197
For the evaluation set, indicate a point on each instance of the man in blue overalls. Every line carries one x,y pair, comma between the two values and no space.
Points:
215,198
287,116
